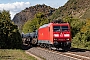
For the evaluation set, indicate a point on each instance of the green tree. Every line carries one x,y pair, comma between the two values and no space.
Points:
82,38
35,23
9,34
80,32
75,24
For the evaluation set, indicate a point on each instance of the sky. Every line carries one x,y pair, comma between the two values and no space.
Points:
15,6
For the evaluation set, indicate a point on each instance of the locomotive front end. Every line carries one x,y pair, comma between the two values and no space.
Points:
62,35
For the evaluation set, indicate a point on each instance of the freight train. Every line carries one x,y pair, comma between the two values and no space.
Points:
57,35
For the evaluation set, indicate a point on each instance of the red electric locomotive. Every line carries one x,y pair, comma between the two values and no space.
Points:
56,35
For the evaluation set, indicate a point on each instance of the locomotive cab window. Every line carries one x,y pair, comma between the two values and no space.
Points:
60,28
56,28
64,28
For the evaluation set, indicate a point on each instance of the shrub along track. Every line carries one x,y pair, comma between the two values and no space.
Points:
73,54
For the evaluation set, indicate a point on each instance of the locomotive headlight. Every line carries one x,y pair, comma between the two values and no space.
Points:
56,35
55,39
67,39
66,35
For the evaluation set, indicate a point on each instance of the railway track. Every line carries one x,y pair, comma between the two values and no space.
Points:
67,54
70,54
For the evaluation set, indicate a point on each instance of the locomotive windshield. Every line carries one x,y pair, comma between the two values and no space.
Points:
56,28
60,28
64,28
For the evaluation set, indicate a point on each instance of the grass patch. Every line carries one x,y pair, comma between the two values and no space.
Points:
13,54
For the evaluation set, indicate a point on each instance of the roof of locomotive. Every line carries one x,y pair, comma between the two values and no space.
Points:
47,25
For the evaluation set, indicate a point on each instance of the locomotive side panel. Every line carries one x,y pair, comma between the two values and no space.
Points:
44,35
